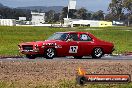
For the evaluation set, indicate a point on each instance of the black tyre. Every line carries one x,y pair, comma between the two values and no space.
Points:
81,80
31,56
97,53
78,57
50,53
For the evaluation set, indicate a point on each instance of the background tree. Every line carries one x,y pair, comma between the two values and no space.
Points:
109,17
57,17
72,13
89,16
8,13
64,13
50,16
81,13
99,15
128,5
116,9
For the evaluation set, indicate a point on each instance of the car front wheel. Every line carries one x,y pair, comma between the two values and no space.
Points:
97,53
50,53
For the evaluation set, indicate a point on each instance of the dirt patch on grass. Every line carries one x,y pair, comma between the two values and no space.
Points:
51,71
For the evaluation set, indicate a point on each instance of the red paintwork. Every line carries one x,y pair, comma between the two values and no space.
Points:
84,47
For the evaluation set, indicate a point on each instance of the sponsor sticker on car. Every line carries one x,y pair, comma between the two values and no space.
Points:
73,49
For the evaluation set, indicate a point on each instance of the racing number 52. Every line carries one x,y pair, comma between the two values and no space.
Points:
73,49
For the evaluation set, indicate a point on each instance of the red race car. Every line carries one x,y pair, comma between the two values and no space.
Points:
61,44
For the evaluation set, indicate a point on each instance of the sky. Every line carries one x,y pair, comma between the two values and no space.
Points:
91,5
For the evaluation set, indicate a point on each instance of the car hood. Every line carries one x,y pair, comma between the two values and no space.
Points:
31,43
40,42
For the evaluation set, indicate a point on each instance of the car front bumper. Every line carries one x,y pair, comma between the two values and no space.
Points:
32,52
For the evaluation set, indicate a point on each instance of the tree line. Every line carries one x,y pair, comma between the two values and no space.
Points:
119,10
12,13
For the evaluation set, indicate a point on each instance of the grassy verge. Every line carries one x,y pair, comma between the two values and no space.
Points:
10,37
62,84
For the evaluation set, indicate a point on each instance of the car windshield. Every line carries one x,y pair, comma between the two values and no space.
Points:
58,36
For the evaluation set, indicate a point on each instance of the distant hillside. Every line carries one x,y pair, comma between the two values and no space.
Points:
2,6
57,9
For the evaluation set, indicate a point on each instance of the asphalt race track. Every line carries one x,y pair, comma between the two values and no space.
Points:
116,57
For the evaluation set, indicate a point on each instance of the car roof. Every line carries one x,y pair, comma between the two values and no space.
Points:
73,32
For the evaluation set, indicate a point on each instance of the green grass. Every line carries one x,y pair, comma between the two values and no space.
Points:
10,37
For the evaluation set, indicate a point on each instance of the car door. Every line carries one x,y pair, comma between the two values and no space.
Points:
69,46
72,44
86,44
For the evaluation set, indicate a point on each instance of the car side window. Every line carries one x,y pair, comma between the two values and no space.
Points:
73,36
85,37
63,36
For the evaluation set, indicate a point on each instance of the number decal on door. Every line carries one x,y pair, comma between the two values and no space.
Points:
73,49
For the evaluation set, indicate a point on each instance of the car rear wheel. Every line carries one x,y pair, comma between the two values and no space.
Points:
97,53
50,53
31,56
78,57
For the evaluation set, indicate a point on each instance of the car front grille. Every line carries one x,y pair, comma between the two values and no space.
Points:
27,47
